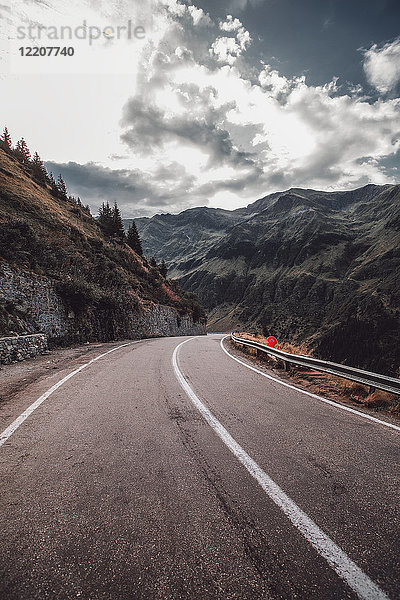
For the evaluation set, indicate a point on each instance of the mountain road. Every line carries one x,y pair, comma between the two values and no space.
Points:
165,469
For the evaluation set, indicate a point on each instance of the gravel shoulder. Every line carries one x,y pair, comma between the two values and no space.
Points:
14,378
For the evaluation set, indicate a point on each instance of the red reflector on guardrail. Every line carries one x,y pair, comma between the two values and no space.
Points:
272,342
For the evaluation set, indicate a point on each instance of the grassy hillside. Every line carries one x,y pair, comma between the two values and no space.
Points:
52,236
307,266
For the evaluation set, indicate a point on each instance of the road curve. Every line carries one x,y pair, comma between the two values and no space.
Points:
117,486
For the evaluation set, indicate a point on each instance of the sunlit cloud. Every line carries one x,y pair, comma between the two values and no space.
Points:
382,65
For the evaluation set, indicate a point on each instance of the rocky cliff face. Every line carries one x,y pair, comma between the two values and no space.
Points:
34,305
159,320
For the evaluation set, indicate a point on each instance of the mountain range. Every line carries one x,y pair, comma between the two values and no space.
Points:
313,267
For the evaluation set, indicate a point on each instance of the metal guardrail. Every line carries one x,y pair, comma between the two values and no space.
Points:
373,380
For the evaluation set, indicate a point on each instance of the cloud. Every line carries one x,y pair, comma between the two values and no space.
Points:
212,128
230,24
228,49
175,8
200,17
177,104
248,137
138,193
382,65
151,128
271,80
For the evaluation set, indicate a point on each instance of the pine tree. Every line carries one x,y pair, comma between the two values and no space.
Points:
163,268
53,184
118,226
62,187
6,142
22,152
38,168
153,262
133,239
105,219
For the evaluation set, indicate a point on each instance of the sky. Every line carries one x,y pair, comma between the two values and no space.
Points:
170,104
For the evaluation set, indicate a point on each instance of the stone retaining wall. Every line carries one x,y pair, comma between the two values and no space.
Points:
33,302
160,321
13,349
29,303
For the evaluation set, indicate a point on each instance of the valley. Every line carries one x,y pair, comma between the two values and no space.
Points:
313,267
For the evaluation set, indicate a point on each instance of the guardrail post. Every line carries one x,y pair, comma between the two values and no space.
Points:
286,365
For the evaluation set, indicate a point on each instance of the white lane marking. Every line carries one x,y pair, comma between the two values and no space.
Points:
347,570
293,387
7,433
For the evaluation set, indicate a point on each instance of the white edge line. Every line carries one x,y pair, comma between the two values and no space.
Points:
7,433
297,389
342,564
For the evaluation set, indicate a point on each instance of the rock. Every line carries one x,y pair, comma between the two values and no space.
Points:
18,348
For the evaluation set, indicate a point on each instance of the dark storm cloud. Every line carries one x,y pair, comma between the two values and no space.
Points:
98,181
134,192
150,128
169,188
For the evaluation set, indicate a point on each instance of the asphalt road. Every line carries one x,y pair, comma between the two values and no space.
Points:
124,485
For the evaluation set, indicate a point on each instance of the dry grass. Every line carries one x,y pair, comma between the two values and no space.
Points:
56,238
285,346
300,349
337,388
253,352
35,201
380,399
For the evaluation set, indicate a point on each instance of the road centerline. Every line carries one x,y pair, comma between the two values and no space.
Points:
338,560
